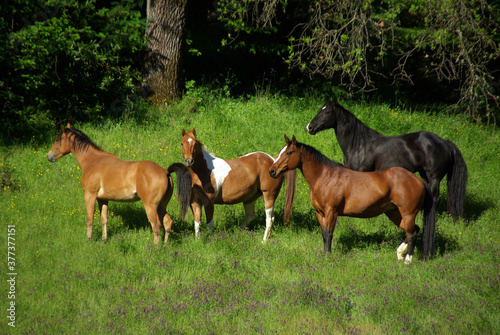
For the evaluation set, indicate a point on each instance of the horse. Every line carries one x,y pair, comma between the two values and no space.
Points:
338,191
239,180
424,152
106,177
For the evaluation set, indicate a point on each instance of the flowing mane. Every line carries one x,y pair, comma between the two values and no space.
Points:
318,155
81,140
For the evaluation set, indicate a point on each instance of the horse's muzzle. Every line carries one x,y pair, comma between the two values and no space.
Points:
310,129
189,162
51,158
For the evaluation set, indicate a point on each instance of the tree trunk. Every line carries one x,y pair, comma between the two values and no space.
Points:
162,70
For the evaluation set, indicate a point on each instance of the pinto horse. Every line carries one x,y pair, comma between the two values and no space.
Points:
423,152
105,178
338,191
239,180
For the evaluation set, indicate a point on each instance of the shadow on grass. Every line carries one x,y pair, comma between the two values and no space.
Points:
134,218
349,236
475,207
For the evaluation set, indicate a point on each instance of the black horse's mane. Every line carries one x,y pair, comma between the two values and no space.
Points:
349,126
322,159
81,140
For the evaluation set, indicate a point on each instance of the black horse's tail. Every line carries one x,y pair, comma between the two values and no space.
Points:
457,182
429,223
291,183
184,185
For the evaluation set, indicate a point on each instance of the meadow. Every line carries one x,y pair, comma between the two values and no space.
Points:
229,282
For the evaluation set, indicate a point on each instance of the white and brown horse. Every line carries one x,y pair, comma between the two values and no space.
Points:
106,177
239,180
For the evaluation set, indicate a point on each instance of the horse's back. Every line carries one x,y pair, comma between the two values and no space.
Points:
119,180
248,177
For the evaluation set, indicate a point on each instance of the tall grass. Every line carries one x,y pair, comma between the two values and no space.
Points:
229,282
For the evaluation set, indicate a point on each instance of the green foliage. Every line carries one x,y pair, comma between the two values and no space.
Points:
68,60
413,50
230,281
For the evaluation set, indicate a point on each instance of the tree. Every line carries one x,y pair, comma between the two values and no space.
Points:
66,60
437,48
162,70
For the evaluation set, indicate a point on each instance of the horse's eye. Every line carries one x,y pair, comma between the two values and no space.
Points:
289,153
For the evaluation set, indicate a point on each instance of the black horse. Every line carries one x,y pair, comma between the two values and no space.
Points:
423,152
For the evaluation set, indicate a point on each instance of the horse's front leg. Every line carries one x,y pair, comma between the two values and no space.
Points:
103,208
196,209
90,199
327,222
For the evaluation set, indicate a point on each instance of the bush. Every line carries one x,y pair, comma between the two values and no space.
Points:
68,60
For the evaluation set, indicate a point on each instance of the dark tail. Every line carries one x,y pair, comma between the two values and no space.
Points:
184,185
457,183
291,183
429,223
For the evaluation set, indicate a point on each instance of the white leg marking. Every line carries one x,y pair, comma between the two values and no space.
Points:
269,223
249,214
197,229
408,259
401,250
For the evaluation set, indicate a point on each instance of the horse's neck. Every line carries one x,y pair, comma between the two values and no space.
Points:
200,165
202,168
353,134
312,169
87,156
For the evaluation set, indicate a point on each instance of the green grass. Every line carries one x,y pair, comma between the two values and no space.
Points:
230,282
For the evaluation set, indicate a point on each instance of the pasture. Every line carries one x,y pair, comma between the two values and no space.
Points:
229,282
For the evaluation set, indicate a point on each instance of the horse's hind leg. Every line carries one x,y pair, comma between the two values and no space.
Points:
408,224
249,214
395,217
412,238
162,214
153,218
103,208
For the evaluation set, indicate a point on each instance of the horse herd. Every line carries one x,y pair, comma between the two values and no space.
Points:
376,178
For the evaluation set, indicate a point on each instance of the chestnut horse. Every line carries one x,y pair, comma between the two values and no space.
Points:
105,178
338,191
423,152
239,180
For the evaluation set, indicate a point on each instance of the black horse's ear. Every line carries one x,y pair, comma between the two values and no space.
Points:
334,99
326,99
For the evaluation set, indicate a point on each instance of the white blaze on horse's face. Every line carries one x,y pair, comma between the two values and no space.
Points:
281,153
276,169
188,148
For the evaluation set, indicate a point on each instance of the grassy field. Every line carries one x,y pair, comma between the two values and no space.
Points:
230,282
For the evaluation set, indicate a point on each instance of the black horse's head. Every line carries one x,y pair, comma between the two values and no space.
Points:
325,119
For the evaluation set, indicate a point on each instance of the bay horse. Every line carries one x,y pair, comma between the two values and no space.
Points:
106,177
338,191
424,152
239,180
